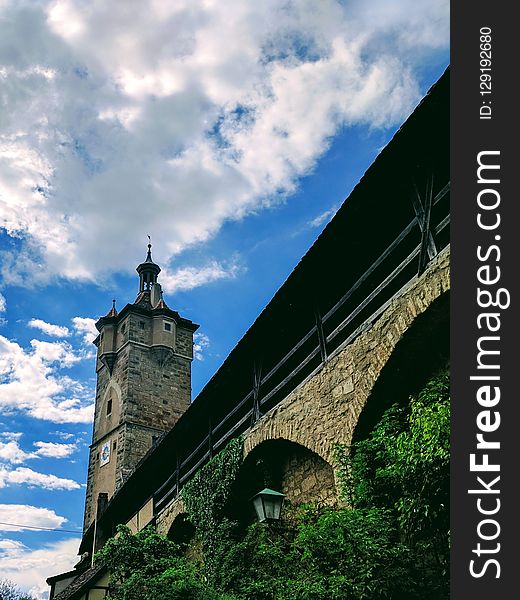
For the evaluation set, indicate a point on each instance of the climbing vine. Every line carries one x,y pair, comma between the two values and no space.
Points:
389,541
205,496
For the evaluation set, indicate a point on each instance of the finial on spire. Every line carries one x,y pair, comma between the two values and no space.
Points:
149,255
113,311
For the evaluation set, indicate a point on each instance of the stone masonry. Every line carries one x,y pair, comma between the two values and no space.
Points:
143,387
325,409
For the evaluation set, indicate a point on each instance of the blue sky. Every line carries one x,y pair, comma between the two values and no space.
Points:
229,132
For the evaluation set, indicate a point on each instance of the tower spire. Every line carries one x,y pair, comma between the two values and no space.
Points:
149,255
113,311
148,270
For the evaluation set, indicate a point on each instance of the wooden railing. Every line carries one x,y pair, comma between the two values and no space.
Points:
405,257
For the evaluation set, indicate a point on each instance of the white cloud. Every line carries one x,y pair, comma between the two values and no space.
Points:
3,305
48,328
25,476
11,545
11,435
53,450
64,435
325,217
31,382
174,117
29,568
187,278
12,453
26,516
86,327
200,343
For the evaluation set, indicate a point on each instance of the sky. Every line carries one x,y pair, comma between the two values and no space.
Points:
230,132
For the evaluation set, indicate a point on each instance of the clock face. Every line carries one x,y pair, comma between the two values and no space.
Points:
104,456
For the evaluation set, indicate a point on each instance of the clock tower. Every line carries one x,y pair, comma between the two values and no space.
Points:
144,355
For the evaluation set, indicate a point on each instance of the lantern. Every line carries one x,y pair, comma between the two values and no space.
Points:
268,505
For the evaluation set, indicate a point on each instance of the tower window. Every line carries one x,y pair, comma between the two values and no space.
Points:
141,324
123,328
167,326
114,445
109,407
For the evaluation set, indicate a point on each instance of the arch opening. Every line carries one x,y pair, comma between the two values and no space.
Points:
423,350
287,467
182,531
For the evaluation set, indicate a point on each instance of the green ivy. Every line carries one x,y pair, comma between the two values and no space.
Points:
404,465
391,541
205,497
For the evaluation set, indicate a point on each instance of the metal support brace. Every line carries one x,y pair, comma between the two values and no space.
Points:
257,376
210,438
423,217
177,474
321,336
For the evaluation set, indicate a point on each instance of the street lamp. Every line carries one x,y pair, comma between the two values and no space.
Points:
268,505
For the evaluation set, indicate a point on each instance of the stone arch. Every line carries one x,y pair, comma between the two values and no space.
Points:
109,412
326,408
421,351
285,466
182,530
275,428
112,397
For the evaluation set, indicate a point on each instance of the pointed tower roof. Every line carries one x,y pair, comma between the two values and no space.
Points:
148,270
113,311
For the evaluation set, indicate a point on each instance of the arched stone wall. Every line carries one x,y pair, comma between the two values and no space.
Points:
325,409
182,530
167,516
421,352
301,474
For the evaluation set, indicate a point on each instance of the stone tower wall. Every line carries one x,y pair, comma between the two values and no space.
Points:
149,389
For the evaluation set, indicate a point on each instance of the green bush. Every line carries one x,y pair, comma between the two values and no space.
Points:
391,541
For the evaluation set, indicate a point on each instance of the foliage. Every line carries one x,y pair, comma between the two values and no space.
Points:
148,566
205,496
321,554
404,465
390,541
10,591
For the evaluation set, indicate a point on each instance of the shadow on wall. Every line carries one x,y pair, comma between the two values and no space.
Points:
422,351
283,466
182,531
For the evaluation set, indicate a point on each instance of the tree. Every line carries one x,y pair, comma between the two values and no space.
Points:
148,566
404,465
10,591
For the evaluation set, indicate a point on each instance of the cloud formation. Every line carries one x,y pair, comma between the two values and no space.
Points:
26,516
187,278
49,328
26,476
174,117
200,343
29,568
85,327
10,452
54,450
32,382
